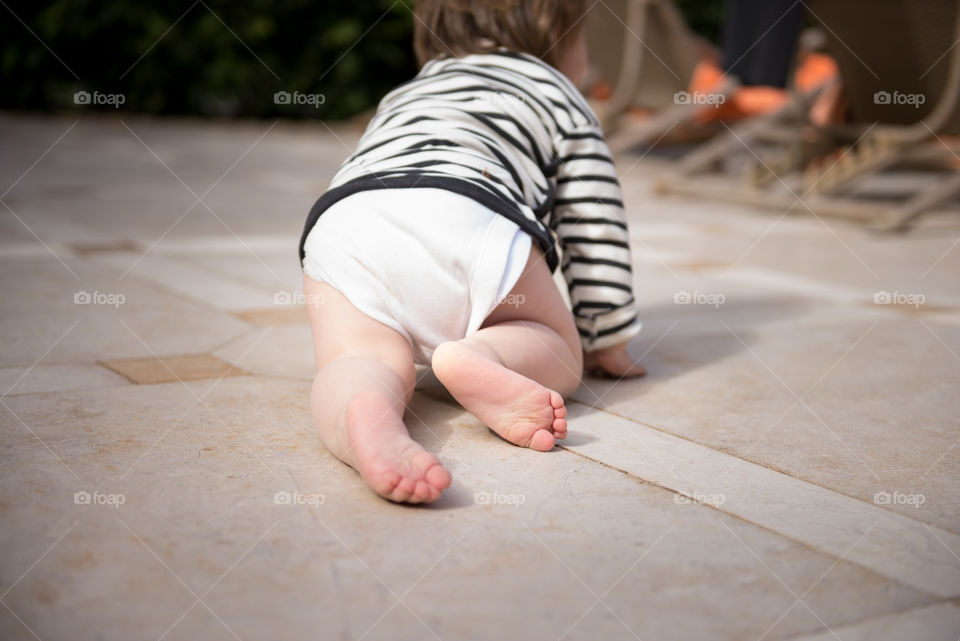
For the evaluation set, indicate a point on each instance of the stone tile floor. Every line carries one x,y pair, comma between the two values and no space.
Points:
789,469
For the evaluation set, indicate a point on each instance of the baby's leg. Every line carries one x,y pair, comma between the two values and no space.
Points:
511,373
365,379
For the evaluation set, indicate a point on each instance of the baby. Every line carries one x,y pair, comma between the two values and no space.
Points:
437,239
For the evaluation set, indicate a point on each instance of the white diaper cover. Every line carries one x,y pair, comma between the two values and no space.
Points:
430,263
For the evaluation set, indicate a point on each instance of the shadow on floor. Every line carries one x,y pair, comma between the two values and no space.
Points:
678,338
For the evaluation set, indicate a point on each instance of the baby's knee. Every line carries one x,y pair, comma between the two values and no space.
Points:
572,382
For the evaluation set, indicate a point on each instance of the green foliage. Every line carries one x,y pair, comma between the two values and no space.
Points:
704,16
209,57
221,58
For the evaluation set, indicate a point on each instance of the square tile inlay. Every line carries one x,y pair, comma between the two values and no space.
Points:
276,316
166,369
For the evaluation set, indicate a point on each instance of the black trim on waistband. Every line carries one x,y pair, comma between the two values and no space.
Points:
487,198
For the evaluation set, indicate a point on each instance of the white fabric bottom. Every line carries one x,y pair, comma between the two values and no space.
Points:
429,263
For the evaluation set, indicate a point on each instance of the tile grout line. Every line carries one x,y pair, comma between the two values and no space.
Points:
732,455
798,539
860,623
569,448
806,544
180,294
938,586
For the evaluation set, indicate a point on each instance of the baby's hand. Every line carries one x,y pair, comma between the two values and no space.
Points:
612,361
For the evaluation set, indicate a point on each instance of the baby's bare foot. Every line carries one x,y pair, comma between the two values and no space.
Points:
615,363
515,407
393,465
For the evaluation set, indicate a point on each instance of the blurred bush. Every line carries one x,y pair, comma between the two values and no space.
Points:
211,57
219,58
704,16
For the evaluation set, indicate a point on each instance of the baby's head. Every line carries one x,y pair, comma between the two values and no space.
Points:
548,29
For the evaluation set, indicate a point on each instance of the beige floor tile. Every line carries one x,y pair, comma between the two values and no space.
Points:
140,166
190,367
296,315
54,378
278,350
697,302
51,315
257,262
834,254
518,530
92,249
558,545
737,390
863,532
194,282
940,622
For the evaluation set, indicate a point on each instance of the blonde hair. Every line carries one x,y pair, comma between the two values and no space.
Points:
444,28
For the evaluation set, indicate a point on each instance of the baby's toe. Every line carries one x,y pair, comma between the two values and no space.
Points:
438,477
385,483
556,401
421,492
432,471
403,491
542,441
560,427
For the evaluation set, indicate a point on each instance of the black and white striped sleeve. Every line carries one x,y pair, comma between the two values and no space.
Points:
590,222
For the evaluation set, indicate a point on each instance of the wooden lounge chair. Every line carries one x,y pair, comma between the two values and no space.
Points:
901,73
647,53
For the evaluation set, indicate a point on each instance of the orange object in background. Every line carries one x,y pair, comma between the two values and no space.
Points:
813,70
708,79
745,102
600,90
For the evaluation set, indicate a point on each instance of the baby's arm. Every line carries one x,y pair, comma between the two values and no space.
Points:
590,222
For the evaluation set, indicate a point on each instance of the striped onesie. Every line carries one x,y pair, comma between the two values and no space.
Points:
512,133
